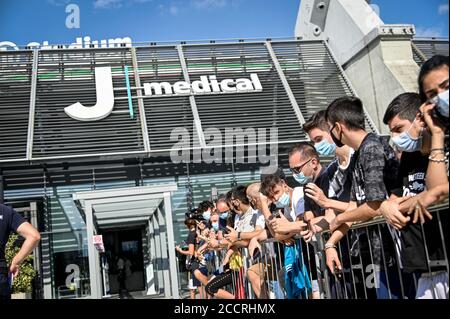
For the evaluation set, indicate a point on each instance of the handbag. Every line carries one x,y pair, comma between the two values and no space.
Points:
192,264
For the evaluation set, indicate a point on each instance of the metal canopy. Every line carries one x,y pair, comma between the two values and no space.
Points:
129,207
125,214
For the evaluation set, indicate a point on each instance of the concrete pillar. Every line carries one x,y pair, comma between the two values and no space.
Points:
376,57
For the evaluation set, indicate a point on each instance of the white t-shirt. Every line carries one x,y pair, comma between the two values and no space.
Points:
297,207
249,220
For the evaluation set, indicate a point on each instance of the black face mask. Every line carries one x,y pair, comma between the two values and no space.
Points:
335,139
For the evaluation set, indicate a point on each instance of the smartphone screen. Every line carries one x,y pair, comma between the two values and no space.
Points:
10,279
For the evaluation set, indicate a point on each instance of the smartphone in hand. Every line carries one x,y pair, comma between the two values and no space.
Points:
275,214
337,272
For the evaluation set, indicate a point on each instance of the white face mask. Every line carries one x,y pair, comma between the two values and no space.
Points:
406,143
441,102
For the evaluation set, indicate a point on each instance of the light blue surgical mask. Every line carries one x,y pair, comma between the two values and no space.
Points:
302,179
406,143
207,215
441,102
224,215
325,148
284,201
215,226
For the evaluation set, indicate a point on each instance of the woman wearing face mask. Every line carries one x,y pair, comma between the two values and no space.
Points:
191,242
205,256
433,87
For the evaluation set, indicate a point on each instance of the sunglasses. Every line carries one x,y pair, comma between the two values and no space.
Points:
298,169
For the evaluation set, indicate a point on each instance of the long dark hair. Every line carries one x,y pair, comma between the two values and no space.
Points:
436,62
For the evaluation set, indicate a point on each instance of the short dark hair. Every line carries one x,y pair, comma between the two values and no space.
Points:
190,223
347,110
305,149
204,206
318,120
436,62
406,106
228,196
240,193
269,183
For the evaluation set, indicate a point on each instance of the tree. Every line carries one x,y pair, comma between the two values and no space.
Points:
23,282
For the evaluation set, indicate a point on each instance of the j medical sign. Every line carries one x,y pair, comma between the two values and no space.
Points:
205,86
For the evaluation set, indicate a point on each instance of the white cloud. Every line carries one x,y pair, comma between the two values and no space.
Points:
113,4
206,4
173,9
443,8
58,2
107,4
432,32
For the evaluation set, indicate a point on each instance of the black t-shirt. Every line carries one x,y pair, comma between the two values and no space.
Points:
375,174
323,182
413,168
192,238
340,180
374,178
9,222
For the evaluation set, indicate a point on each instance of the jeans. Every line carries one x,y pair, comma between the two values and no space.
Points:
5,289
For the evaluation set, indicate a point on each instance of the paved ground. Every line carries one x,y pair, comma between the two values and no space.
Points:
142,295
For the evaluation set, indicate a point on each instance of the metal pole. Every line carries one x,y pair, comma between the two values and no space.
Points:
171,244
141,105
197,120
2,188
285,82
30,136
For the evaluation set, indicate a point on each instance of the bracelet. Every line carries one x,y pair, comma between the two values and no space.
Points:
432,159
329,245
437,149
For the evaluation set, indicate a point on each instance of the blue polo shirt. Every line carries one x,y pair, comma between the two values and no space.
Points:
9,222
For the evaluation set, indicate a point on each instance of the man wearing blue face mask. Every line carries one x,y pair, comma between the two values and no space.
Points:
306,168
412,136
224,211
291,202
339,170
205,209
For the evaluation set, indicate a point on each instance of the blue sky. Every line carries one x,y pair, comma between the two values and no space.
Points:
23,21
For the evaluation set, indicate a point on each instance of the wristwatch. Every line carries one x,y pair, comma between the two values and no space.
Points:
239,236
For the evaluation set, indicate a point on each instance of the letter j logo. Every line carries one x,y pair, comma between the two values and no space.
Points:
105,99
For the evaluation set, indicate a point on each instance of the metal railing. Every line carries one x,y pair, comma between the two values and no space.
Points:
375,264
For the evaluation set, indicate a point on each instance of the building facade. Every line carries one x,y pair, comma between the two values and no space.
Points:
121,142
